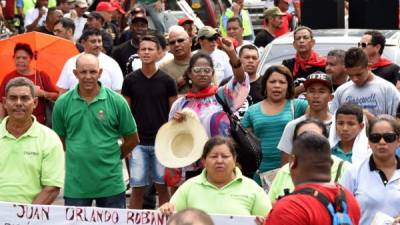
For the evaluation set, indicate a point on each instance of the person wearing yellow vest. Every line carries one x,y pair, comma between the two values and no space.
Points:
237,10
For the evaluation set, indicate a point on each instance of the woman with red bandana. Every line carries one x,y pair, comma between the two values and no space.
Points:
201,96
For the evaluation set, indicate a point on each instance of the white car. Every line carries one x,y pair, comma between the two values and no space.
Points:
325,40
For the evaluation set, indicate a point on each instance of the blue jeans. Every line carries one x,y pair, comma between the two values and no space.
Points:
116,201
144,167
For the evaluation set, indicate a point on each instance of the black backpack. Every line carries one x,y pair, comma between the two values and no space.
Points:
248,146
338,210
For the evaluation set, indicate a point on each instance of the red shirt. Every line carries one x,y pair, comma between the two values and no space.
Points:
42,80
301,209
286,19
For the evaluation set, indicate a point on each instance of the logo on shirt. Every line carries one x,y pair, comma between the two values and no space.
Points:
367,102
100,115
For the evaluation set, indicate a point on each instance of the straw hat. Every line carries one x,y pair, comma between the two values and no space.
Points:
179,144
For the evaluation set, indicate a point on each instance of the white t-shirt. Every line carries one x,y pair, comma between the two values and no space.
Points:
378,96
286,142
79,25
111,76
31,15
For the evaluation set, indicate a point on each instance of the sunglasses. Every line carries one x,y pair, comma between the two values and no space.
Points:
198,69
177,41
363,45
388,137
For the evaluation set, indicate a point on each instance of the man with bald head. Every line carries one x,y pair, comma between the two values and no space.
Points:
180,45
90,119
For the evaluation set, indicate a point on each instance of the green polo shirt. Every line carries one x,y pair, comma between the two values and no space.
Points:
30,162
242,196
91,131
283,180
337,151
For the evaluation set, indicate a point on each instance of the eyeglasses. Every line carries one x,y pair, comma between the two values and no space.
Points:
212,38
363,44
198,69
388,137
177,41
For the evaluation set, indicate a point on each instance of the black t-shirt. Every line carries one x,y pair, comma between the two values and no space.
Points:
255,91
43,29
149,101
263,38
121,54
301,74
389,73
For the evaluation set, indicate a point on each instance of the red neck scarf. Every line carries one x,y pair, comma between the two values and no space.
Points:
381,62
314,60
208,91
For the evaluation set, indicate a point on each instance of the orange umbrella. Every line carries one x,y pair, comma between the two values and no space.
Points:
51,53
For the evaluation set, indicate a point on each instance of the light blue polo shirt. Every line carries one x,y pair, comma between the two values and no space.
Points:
373,191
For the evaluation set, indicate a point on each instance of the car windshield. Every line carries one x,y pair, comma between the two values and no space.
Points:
279,52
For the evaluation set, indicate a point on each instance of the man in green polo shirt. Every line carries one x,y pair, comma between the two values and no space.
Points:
90,119
31,156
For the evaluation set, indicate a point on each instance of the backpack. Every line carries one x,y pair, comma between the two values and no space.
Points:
248,146
338,210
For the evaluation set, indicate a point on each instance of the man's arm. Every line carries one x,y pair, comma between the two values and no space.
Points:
130,141
47,195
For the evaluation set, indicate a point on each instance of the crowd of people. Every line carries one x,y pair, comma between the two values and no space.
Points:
328,125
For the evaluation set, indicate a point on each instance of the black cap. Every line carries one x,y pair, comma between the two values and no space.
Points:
319,77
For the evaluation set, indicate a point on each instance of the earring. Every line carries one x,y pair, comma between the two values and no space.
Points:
190,81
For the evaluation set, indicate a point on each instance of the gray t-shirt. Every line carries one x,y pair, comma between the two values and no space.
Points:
286,142
378,96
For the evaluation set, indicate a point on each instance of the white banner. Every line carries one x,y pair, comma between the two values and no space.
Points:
25,214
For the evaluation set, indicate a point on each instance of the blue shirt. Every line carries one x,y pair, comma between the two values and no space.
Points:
269,128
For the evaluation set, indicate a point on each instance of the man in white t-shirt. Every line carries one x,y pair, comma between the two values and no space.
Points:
208,39
76,15
111,76
35,17
319,90
376,95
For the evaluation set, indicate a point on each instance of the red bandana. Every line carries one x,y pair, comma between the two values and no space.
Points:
314,60
208,91
382,62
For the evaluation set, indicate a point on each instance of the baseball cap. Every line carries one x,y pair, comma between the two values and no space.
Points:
273,11
319,77
93,14
118,6
207,32
105,7
138,14
184,20
81,3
